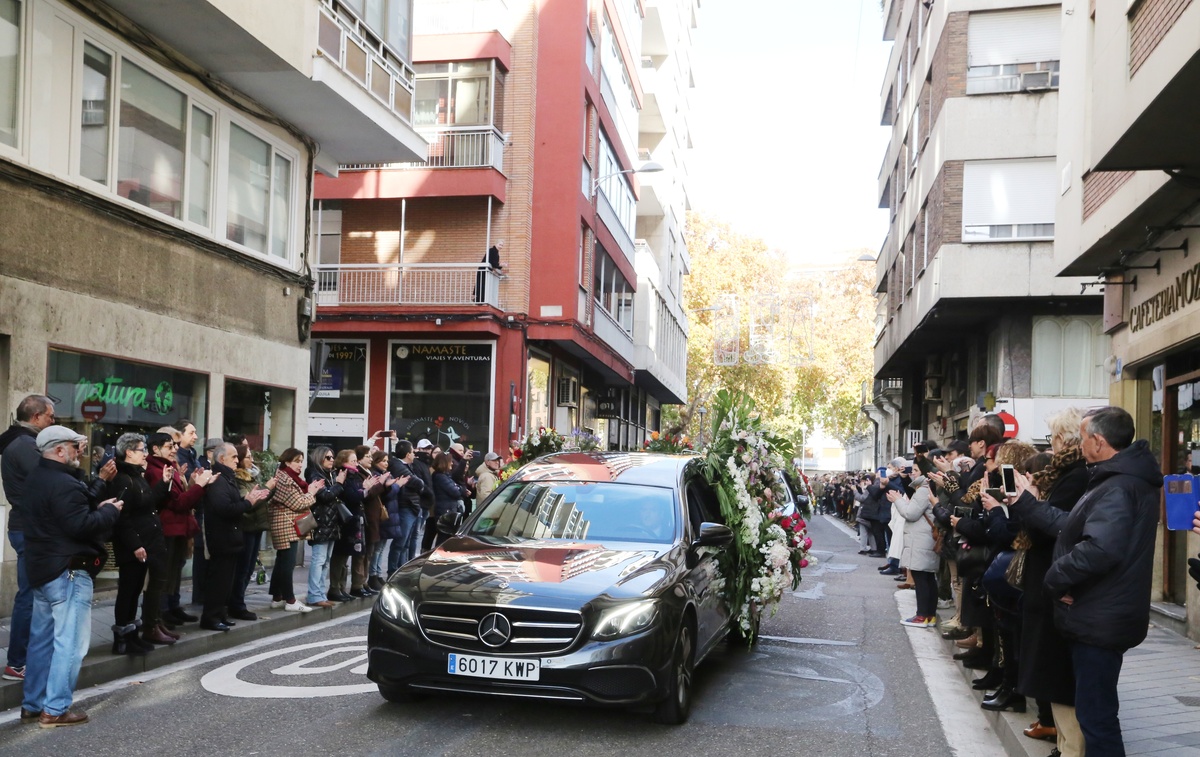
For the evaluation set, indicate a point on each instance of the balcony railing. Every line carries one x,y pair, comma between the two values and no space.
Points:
459,16
359,52
467,147
407,284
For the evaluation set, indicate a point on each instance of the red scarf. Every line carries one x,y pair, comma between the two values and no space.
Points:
300,482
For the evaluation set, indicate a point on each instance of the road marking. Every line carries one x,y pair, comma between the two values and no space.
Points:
966,729
166,670
841,526
794,640
224,680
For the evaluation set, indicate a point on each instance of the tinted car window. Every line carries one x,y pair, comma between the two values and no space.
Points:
571,511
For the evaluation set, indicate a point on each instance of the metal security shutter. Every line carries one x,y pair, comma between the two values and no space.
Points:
1028,35
999,192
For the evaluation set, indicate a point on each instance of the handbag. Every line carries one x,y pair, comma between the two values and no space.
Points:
343,512
973,559
937,533
1015,575
304,524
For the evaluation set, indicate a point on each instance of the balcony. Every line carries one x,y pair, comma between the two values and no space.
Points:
418,284
612,334
459,16
452,147
310,62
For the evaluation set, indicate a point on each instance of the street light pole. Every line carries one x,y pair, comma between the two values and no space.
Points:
649,167
701,411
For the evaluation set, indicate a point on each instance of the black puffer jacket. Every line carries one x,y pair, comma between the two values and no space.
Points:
138,526
325,509
62,520
1104,556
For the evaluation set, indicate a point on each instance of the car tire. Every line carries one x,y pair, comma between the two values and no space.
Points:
674,710
399,694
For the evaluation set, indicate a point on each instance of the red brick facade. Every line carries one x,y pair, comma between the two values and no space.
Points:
1150,22
1099,186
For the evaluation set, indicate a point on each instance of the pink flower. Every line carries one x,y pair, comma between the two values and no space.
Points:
803,563
807,543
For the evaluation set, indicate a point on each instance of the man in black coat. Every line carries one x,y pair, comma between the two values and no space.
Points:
1103,567
223,510
65,531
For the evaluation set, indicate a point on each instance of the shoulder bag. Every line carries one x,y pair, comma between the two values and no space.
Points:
304,524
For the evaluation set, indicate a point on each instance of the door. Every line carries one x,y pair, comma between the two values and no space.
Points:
712,612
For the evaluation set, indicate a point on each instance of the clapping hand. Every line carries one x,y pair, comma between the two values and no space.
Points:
403,480
317,485
894,496
341,476
1025,485
257,495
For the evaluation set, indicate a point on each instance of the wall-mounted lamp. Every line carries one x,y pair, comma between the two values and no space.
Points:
648,167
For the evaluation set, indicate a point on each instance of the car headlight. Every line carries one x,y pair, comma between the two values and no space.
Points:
626,619
395,605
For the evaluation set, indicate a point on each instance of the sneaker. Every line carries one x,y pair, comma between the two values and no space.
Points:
945,604
890,572
296,606
918,621
14,674
277,604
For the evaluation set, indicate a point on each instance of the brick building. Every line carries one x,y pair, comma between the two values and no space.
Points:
971,311
538,117
1128,214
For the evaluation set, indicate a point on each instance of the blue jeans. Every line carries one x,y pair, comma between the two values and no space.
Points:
318,572
22,613
59,635
377,555
404,545
1097,671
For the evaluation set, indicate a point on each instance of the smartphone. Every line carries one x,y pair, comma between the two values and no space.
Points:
996,494
963,511
924,464
1009,475
921,449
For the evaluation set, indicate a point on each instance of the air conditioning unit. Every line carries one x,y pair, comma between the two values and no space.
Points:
568,392
1035,81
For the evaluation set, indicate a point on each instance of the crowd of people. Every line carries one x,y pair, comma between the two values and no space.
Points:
158,501
1044,557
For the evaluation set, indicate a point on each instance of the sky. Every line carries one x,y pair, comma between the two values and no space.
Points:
785,122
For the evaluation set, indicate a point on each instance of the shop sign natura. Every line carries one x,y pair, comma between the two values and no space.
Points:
1182,292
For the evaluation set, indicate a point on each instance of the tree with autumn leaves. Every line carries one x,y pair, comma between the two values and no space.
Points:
828,311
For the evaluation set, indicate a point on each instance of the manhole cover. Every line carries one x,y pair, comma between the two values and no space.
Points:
1189,701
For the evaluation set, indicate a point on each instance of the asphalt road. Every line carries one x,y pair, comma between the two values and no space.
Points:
834,675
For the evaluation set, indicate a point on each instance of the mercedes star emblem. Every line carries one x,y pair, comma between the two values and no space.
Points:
495,630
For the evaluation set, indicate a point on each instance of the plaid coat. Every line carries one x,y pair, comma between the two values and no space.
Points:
287,503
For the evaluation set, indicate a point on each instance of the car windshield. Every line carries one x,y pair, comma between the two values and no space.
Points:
575,510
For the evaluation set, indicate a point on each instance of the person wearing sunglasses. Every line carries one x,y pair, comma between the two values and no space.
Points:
321,540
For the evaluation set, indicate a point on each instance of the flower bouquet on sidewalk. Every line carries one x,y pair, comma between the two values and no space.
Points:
672,444
743,464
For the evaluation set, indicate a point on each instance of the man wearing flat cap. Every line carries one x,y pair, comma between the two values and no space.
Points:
487,476
65,530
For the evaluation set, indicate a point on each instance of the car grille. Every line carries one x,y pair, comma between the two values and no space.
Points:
535,631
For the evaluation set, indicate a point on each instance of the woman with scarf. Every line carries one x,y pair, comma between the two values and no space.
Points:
292,498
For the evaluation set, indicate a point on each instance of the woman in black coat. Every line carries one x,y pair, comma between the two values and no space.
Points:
1046,671
447,495
138,548
329,526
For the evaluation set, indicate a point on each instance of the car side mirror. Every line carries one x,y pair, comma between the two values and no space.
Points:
713,535
448,524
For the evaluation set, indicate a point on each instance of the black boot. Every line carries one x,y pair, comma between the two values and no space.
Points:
125,641
1004,699
181,616
134,639
991,680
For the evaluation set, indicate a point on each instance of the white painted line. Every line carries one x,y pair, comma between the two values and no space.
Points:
166,670
224,680
841,525
967,731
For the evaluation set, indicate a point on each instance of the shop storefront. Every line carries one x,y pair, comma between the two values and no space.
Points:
262,414
443,391
103,397
337,404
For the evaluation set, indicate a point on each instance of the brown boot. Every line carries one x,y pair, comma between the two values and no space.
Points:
67,718
162,628
155,636
970,642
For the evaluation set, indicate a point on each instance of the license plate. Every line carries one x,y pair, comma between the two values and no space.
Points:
493,667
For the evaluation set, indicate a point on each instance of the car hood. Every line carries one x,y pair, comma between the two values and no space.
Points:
531,572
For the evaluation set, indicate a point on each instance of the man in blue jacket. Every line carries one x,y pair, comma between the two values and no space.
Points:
65,533
1103,566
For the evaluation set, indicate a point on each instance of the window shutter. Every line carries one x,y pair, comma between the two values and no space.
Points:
999,192
1028,35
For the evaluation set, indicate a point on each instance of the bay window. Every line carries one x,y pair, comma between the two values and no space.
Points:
612,290
458,93
1009,200
95,113
1013,50
259,191
151,143
10,70
1068,357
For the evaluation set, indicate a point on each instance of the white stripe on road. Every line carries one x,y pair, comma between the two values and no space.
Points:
166,670
841,524
967,731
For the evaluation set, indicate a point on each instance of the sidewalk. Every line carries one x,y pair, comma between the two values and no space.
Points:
1160,701
101,666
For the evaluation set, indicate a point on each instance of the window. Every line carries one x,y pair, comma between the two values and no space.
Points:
390,19
10,70
201,169
259,191
95,113
1009,200
1013,50
329,232
454,94
1068,357
152,141
615,187
612,291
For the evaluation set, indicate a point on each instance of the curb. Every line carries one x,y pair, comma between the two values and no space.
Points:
101,666
1007,725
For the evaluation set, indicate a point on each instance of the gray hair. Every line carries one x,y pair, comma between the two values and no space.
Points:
170,431
1113,424
1065,425
32,405
126,442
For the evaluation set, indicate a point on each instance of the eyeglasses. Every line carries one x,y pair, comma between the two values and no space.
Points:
142,450
327,457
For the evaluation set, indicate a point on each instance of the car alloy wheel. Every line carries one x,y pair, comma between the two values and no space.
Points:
674,710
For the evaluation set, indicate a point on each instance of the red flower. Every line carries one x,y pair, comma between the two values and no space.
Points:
516,453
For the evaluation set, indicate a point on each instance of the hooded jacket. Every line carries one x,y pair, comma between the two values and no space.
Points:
1104,555
19,457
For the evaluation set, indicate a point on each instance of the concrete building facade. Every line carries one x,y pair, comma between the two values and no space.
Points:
971,314
156,159
539,116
